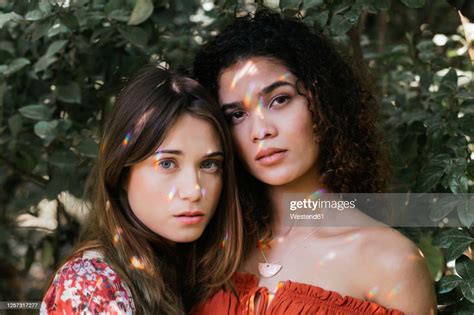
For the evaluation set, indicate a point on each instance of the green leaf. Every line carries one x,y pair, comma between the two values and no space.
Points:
48,58
443,206
467,289
465,267
456,250
44,62
467,124
141,12
339,25
46,130
450,80
34,15
40,29
3,89
69,93
290,4
7,17
381,5
466,212
16,65
135,35
88,148
432,173
414,3
15,124
63,159
47,254
36,112
69,20
448,283
458,184
56,46
120,15
320,19
312,3
451,236
433,255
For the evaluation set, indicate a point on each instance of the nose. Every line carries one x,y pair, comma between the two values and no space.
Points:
190,189
262,128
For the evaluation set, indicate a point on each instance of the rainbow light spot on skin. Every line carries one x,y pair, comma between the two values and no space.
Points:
157,159
394,291
260,145
203,192
372,292
172,193
248,97
352,237
248,68
284,76
326,258
117,235
126,140
197,187
137,263
260,107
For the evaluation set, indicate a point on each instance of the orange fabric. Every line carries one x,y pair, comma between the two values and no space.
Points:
291,298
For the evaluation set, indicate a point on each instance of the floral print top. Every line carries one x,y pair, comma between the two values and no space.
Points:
87,285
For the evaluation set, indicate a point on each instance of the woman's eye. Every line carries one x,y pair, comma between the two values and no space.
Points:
279,100
166,164
211,165
235,116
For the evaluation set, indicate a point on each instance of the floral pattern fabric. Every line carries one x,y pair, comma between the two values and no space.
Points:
87,285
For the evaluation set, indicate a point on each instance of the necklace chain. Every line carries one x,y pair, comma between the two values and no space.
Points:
293,249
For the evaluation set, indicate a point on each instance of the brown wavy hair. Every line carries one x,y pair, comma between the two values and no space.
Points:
174,277
340,101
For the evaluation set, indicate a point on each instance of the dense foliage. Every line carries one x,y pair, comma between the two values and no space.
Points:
62,62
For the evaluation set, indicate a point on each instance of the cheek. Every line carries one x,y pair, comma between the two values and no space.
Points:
213,189
241,142
299,126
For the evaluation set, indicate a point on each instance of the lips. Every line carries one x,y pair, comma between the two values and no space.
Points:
190,217
268,152
190,214
270,156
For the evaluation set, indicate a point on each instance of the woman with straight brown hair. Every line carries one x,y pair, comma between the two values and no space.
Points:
164,206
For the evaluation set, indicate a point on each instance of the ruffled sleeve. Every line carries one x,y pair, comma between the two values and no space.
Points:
87,286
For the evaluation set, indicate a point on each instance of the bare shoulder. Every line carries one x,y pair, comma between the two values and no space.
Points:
398,275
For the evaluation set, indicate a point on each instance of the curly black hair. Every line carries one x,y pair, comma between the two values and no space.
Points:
341,102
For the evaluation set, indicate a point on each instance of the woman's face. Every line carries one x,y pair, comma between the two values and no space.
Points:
270,122
175,191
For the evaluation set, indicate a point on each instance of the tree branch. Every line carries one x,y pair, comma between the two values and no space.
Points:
38,180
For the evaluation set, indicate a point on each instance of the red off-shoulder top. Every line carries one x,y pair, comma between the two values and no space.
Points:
290,298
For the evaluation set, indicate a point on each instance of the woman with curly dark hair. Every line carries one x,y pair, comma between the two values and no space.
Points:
303,121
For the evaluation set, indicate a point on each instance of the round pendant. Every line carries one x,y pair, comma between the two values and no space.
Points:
267,270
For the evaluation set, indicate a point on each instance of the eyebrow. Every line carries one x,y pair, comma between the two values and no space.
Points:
179,152
266,90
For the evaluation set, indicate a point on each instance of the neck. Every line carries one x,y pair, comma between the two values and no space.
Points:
307,183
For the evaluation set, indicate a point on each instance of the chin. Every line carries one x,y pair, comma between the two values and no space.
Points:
187,237
277,177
